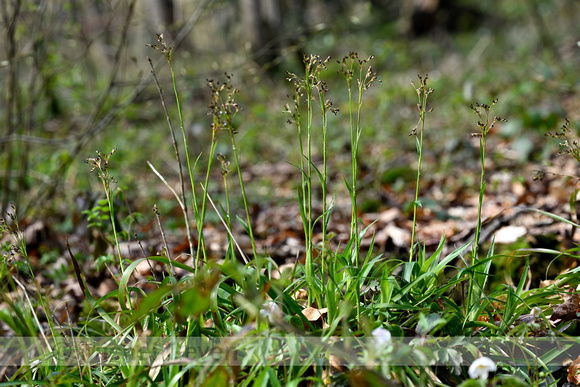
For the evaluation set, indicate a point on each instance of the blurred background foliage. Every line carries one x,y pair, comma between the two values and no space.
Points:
74,78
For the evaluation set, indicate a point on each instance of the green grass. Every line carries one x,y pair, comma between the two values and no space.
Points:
340,314
236,323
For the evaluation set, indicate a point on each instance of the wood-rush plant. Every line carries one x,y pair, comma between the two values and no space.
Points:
354,68
422,93
306,90
223,109
226,170
23,319
232,323
337,283
485,125
100,164
350,65
167,53
481,267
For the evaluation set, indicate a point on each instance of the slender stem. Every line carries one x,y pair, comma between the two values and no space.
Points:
109,196
167,52
478,278
242,187
326,261
309,263
484,126
419,159
423,94
354,166
201,244
482,143
183,201
201,219
165,244
225,171
324,172
355,149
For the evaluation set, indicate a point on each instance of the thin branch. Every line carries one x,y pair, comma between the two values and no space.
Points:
246,260
183,202
167,254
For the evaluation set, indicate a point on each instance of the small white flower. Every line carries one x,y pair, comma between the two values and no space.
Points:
270,310
382,337
481,367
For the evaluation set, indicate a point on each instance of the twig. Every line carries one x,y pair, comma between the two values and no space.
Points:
246,260
32,310
171,271
72,336
181,204
145,256
181,201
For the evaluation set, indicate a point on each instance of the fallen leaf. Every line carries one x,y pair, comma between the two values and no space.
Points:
313,314
301,294
573,371
566,311
336,363
510,234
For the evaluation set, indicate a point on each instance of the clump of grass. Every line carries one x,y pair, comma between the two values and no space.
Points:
370,321
223,108
306,91
353,68
168,53
324,284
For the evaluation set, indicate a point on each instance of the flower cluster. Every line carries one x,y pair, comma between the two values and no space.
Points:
568,144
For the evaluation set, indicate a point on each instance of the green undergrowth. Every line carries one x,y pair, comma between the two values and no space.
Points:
339,315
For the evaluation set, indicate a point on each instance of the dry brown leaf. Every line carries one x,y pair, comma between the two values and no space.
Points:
573,371
144,268
390,215
336,363
313,314
301,294
566,311
335,366
546,283
400,237
570,263
284,270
